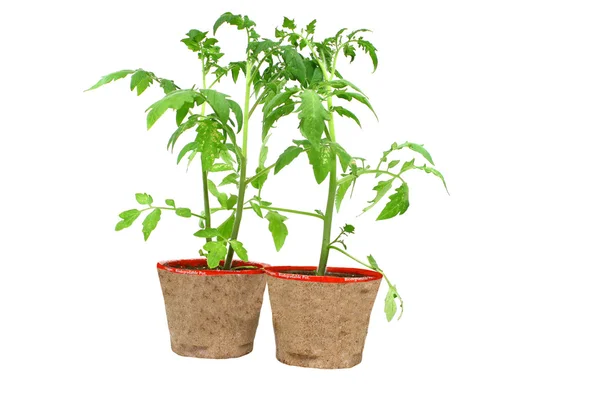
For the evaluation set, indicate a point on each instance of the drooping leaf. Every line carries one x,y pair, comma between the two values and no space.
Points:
278,99
277,113
140,80
111,77
216,252
175,100
183,212
287,157
397,204
342,83
341,192
349,96
239,249
277,228
150,222
181,128
390,307
421,150
218,102
435,172
143,198
312,117
344,112
368,48
381,188
237,111
345,158
221,197
127,218
192,146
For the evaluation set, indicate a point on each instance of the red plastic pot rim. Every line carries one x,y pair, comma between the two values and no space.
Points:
172,266
367,275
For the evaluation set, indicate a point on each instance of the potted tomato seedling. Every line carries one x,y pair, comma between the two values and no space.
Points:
212,303
321,314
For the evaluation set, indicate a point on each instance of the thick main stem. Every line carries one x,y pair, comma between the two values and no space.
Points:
244,161
204,172
327,222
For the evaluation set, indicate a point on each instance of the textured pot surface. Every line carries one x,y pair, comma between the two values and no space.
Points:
321,322
211,313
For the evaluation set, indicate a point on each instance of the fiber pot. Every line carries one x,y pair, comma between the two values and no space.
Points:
321,321
211,313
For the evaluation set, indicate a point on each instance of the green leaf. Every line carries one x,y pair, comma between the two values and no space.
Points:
294,63
237,111
345,158
127,218
143,198
435,172
181,128
289,23
207,233
256,209
312,116
310,28
397,205
381,188
393,163
341,192
344,112
170,202
216,253
408,165
209,141
342,83
368,48
390,307
220,167
140,80
348,228
221,197
231,178
192,146
111,77
349,96
239,249
225,18
232,201
183,212
277,113
175,100
182,113
218,102
322,161
226,228
419,149
277,228
279,99
373,263
150,222
168,86
287,157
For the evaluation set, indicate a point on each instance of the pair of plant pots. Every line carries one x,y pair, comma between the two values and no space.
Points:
319,321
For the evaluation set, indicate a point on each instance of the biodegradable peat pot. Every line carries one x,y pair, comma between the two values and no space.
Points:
321,321
211,313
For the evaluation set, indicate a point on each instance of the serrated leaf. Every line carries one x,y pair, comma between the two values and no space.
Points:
277,228
390,306
397,205
175,100
150,222
287,157
310,28
239,249
111,77
140,80
168,86
127,218
216,253
368,48
381,188
312,116
289,23
183,212
143,198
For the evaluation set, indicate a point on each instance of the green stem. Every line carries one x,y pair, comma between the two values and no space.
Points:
205,193
244,161
380,171
259,174
351,256
291,211
171,209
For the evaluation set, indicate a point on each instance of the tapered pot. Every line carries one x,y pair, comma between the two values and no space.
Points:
212,313
321,321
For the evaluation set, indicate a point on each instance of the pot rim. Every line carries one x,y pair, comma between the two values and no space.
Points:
201,261
367,274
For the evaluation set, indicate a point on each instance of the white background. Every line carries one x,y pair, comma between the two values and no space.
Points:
500,279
